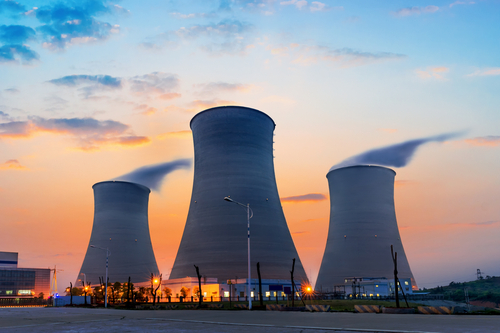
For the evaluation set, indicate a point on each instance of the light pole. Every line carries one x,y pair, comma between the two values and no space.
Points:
108,253
249,282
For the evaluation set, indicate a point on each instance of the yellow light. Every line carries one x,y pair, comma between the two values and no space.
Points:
308,288
156,281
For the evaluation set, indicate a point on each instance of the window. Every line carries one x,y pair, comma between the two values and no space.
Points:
252,294
376,286
9,292
406,282
268,293
226,294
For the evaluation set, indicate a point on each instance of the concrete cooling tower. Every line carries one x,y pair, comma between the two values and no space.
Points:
120,225
233,149
362,228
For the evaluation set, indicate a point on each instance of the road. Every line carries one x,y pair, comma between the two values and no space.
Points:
111,320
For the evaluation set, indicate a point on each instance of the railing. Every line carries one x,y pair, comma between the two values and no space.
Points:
5,302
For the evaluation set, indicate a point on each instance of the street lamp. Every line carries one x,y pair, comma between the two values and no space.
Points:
247,206
108,253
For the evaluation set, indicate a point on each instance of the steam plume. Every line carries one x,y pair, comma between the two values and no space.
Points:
152,175
398,155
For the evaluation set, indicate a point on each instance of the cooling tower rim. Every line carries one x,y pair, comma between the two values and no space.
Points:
361,166
229,106
123,182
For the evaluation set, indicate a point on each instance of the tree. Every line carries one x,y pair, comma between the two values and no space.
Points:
41,295
184,292
196,291
167,292
153,289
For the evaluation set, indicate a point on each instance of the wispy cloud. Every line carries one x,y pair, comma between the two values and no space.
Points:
300,233
192,15
12,165
156,83
432,73
146,109
486,72
200,105
408,11
311,197
16,34
89,83
13,53
217,87
89,133
404,183
313,6
11,6
4,116
177,134
484,141
67,24
345,57
225,37
461,3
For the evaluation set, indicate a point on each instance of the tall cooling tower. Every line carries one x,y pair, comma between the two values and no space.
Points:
362,228
120,225
233,149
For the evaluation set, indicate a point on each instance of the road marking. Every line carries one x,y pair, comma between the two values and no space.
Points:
289,326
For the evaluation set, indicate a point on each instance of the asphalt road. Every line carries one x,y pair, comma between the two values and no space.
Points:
110,320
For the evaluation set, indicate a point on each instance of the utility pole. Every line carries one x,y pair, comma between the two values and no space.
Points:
200,296
395,260
293,283
260,285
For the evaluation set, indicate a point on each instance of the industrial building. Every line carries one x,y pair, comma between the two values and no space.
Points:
120,234
16,282
234,288
233,149
362,229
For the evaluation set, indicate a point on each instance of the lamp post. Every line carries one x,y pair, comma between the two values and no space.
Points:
108,253
249,282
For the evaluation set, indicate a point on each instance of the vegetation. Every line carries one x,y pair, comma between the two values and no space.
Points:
184,291
486,289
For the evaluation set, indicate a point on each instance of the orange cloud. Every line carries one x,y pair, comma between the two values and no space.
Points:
484,141
432,73
401,183
168,96
200,105
299,233
149,111
90,133
12,165
486,72
311,197
177,134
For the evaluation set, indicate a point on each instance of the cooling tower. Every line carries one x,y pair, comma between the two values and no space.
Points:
120,225
362,228
233,149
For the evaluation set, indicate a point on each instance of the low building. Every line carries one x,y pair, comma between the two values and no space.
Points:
373,286
18,282
233,288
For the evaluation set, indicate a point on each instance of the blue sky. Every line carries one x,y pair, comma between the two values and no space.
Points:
91,90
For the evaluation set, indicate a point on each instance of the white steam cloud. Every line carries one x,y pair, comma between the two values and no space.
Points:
398,155
152,175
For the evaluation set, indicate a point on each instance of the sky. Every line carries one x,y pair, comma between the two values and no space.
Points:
92,90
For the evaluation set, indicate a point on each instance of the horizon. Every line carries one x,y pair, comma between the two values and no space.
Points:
93,90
